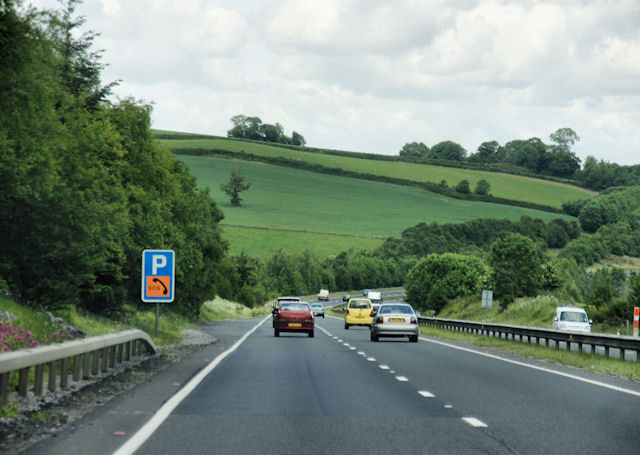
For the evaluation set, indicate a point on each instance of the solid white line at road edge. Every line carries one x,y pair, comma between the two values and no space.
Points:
546,370
161,415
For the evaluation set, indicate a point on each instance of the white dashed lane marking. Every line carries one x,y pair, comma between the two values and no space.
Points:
426,394
475,422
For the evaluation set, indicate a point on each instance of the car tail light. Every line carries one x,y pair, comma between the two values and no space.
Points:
379,320
413,320
347,310
372,311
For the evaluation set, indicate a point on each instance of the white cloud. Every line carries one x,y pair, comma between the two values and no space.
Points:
370,75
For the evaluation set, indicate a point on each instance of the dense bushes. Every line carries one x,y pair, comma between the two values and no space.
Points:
437,278
84,188
609,207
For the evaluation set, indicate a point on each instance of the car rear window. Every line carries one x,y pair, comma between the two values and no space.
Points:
573,316
401,309
359,304
294,307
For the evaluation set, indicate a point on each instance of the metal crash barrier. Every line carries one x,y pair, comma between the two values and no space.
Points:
596,342
78,359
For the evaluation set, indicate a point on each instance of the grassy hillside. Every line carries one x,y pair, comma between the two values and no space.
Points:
325,213
502,185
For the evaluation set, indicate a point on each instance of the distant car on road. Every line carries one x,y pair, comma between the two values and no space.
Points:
366,292
323,294
395,320
376,299
345,298
318,309
358,312
571,319
293,317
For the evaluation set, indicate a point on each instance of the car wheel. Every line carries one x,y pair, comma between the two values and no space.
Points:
310,333
346,326
276,332
413,339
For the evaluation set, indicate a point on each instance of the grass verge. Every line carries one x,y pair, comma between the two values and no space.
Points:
582,360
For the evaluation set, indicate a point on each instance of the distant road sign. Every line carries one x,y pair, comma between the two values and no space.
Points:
487,298
158,276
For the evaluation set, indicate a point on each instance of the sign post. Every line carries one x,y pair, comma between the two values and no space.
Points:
487,301
158,278
636,318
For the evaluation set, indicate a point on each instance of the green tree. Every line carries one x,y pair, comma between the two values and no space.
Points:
482,187
463,187
440,277
447,150
516,262
414,150
78,65
298,139
487,153
564,138
234,187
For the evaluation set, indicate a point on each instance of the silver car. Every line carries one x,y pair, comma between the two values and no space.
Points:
318,309
395,320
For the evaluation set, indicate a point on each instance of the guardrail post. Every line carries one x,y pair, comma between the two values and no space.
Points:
76,367
23,381
606,352
94,364
120,352
86,365
37,386
4,387
64,374
112,356
53,373
104,353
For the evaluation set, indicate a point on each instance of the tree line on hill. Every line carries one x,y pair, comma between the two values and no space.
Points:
554,159
247,127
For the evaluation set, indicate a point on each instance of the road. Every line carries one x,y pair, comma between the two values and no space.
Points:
340,393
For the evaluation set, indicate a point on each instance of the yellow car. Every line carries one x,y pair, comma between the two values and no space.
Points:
359,312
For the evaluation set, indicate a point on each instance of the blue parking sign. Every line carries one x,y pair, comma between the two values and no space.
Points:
158,276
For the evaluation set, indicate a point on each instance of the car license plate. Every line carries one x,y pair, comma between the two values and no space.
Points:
396,319
295,324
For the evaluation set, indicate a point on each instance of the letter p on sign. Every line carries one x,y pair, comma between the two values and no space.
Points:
158,261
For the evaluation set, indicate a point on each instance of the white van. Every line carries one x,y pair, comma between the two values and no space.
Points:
571,319
376,299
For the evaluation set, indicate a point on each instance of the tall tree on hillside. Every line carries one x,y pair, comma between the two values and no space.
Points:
517,267
234,187
447,150
414,150
564,138
298,139
487,153
79,66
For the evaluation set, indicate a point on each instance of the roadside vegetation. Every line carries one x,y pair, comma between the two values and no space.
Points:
582,360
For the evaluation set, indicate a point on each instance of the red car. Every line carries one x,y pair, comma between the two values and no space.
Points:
293,317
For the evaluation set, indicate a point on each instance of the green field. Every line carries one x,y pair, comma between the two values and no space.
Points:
327,214
261,243
502,185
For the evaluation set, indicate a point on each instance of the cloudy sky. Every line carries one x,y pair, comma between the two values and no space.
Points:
369,76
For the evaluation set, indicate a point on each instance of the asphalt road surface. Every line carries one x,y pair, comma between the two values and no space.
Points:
340,393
